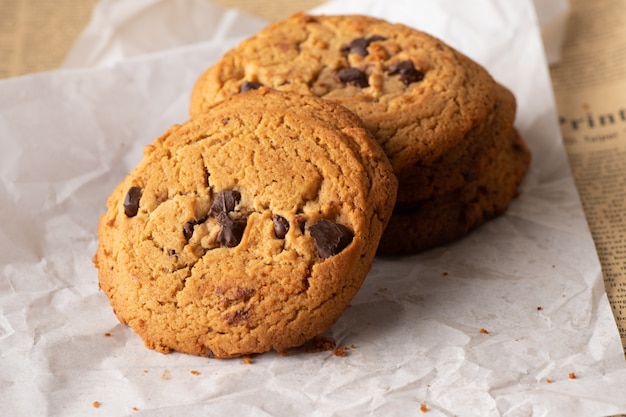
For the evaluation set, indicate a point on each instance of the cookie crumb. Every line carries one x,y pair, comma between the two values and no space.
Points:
548,380
107,334
539,308
340,352
194,372
247,360
445,274
166,376
423,407
572,375
320,344
483,331
135,409
96,404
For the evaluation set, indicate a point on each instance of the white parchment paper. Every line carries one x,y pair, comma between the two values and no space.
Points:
530,279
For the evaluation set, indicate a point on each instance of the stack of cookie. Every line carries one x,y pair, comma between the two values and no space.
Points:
312,146
443,122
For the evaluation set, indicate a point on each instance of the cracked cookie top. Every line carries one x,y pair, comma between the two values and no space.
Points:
248,228
417,95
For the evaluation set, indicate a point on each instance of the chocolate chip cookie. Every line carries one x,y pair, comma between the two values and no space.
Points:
432,210
248,228
424,224
463,164
417,95
437,114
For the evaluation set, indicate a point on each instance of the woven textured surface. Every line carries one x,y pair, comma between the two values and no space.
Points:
36,35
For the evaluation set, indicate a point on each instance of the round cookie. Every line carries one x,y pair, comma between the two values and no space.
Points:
418,96
248,228
428,223
465,164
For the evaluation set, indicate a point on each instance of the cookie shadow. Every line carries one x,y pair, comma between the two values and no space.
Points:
391,296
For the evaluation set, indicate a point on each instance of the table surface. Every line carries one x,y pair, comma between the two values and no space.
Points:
36,35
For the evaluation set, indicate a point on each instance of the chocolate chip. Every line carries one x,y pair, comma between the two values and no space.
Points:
281,226
232,230
131,201
224,202
353,76
375,38
238,316
171,252
249,85
188,229
359,45
330,238
408,73
400,67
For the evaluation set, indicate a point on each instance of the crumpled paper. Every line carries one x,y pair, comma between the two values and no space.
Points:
512,320
553,16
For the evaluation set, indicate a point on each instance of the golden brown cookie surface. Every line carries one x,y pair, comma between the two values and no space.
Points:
418,96
427,223
247,228
465,164
439,116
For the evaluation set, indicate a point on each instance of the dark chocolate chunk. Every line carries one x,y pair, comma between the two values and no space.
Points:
131,201
359,45
249,85
224,202
281,226
353,76
238,316
400,67
408,73
232,230
188,229
375,38
330,238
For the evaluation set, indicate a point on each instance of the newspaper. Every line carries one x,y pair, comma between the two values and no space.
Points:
590,88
